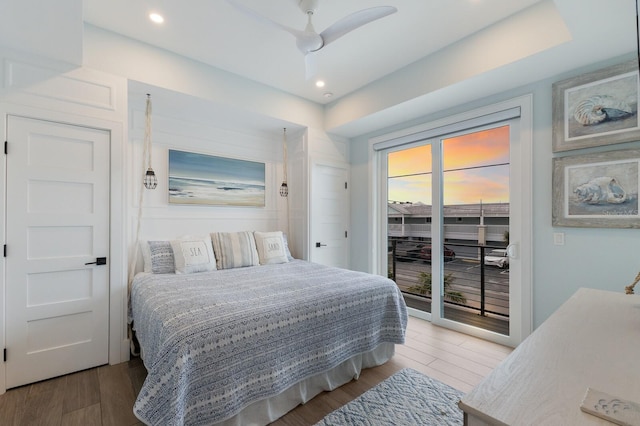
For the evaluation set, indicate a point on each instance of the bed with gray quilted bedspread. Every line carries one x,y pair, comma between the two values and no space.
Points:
215,342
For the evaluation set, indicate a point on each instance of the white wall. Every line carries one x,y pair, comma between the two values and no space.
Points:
51,30
184,123
214,112
596,258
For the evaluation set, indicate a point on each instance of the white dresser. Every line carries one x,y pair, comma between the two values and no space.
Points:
592,341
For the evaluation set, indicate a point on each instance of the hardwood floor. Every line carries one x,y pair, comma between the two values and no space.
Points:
459,360
104,396
99,396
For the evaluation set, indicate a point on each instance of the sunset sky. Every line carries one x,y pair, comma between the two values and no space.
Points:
476,167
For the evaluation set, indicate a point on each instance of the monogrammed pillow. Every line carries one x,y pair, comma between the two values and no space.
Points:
271,247
193,254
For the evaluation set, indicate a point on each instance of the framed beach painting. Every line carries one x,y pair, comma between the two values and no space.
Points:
206,179
597,190
598,108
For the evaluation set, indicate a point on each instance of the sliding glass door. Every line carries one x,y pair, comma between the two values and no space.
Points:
450,223
475,219
409,200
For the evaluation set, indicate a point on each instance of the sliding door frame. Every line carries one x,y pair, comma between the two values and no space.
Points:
521,187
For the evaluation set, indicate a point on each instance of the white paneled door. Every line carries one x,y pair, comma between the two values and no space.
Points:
57,277
330,215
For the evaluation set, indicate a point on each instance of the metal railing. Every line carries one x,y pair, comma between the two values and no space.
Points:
485,288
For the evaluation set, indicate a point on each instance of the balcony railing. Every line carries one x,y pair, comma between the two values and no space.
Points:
474,289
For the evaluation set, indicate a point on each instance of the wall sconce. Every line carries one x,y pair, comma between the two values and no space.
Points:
150,179
284,189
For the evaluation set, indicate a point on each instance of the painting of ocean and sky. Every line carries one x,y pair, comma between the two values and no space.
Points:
206,179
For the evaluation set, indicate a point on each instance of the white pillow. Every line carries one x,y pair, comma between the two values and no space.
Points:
193,254
234,249
271,247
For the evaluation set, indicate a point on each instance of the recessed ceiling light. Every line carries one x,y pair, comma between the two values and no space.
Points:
156,17
319,83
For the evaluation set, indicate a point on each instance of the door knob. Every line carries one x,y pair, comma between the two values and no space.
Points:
99,261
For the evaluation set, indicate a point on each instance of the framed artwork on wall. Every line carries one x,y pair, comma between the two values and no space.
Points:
209,180
598,108
597,190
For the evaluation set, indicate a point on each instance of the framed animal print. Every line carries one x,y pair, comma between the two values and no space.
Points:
598,108
597,190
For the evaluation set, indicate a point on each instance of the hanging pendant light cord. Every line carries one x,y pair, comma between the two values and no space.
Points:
133,257
284,168
146,161
284,153
147,136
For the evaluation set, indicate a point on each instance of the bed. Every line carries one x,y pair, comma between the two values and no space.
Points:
246,345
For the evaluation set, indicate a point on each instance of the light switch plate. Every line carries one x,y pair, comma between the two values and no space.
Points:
558,238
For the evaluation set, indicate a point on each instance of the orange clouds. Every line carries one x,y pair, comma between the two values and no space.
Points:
410,161
476,167
476,149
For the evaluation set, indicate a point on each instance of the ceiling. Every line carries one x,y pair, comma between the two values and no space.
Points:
215,33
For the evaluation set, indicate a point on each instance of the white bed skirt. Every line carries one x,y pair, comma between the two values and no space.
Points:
270,409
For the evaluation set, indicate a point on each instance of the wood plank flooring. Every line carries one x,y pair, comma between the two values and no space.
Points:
104,396
459,360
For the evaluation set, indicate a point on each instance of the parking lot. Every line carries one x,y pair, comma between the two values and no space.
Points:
466,277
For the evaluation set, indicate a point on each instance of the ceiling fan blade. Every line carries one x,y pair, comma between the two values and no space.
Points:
264,20
310,65
353,21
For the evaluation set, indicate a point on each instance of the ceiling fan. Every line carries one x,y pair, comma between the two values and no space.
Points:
308,40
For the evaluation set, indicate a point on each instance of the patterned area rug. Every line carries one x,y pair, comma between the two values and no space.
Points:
407,398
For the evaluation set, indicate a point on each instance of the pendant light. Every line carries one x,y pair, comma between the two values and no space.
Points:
284,189
150,179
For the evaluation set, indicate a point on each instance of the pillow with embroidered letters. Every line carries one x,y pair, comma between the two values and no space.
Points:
193,254
271,247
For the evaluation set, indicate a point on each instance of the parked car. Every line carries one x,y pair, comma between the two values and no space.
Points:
497,257
425,253
407,251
